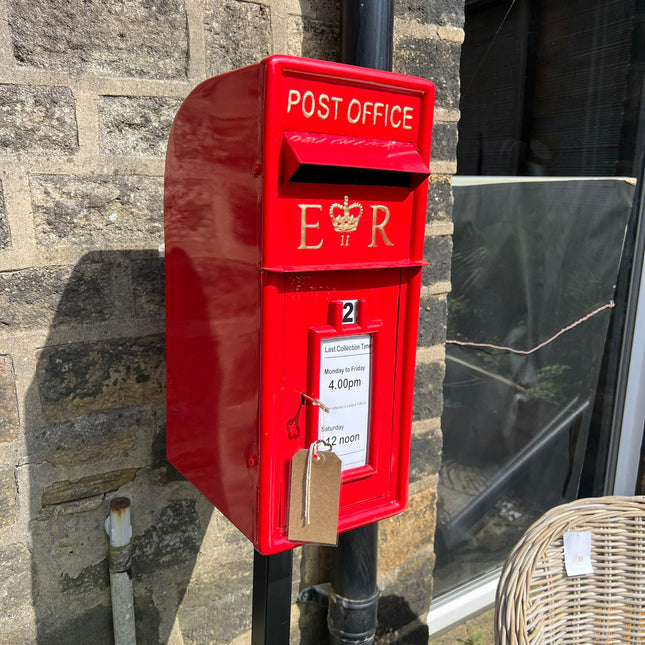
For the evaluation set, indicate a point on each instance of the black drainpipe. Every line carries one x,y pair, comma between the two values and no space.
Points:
366,33
366,40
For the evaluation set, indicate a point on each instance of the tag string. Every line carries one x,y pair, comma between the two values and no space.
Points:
526,352
311,456
315,401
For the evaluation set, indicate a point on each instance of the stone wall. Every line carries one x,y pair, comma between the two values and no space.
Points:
88,91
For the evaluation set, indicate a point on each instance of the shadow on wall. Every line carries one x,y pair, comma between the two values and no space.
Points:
95,429
399,624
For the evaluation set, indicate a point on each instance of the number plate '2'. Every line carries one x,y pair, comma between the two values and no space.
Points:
349,312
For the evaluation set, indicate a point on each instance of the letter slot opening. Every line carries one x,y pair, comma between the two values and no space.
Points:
335,159
312,174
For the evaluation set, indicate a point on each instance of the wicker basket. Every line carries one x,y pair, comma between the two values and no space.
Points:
537,603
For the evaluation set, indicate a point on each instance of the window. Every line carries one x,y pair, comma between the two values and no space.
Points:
550,141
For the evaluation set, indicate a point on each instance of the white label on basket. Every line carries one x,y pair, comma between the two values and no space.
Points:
577,553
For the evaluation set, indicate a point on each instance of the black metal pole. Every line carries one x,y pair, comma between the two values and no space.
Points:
367,28
270,623
353,593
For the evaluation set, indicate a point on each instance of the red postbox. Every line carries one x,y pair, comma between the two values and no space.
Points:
295,202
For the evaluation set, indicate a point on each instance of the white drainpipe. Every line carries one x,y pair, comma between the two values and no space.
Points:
118,528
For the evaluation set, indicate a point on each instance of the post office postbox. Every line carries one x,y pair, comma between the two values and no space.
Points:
295,205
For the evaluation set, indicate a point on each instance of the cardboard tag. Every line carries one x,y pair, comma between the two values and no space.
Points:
577,553
324,495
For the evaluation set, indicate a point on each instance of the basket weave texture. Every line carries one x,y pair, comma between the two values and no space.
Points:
537,603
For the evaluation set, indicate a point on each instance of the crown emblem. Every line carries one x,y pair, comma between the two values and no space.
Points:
346,217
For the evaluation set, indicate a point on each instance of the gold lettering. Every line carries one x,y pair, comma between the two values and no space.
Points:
380,227
323,100
397,108
376,112
308,113
349,110
407,114
336,100
294,98
304,226
367,111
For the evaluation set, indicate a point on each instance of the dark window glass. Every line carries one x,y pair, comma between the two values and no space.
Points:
551,89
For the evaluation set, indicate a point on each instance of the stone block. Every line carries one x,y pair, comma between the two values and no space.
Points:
66,491
437,12
81,378
69,562
147,618
440,199
37,120
219,613
432,321
95,576
15,574
164,472
83,505
216,607
5,231
404,536
312,565
313,38
228,598
51,296
405,603
428,391
92,625
444,142
8,495
9,420
135,126
94,438
97,210
138,38
237,34
425,453
322,10
438,252
172,540
147,271
435,60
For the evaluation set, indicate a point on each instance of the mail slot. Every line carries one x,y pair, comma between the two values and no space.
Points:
295,206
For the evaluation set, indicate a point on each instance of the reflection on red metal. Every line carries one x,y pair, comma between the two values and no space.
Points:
320,150
295,204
